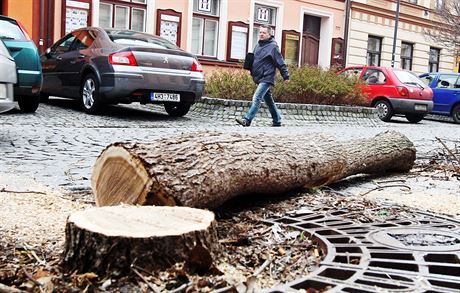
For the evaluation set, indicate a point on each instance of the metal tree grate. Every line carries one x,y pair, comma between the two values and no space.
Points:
418,254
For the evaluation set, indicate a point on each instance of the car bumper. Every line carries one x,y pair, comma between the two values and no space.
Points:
135,84
6,97
408,106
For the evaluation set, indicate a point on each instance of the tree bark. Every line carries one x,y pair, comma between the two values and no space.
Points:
204,170
109,240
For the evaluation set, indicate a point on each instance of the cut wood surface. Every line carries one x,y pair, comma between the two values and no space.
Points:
109,239
205,169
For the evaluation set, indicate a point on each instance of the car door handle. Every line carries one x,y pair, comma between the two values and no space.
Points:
81,56
59,58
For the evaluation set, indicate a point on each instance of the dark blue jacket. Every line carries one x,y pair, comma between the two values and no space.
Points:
267,58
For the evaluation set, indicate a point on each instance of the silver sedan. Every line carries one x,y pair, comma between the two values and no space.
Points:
8,78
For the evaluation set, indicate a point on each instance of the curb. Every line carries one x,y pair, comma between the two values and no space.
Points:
293,114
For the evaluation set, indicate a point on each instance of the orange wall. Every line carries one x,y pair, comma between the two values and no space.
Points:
21,10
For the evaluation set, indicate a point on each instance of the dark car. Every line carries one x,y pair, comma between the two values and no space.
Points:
393,91
25,54
446,90
106,66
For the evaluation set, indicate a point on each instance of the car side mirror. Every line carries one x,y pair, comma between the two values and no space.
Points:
48,52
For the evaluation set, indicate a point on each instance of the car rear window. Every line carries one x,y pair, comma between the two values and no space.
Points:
142,41
409,78
9,30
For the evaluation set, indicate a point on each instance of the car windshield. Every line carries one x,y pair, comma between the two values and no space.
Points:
138,39
409,78
9,30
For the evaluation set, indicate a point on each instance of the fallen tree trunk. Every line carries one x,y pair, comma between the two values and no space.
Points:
106,240
206,169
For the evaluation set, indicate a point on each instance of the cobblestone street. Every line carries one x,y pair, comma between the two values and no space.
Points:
58,144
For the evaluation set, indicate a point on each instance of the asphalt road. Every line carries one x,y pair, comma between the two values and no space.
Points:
59,144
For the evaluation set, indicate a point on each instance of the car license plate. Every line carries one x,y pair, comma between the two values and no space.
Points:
2,91
164,97
420,107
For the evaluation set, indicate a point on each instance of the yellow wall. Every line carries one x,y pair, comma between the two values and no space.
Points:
21,10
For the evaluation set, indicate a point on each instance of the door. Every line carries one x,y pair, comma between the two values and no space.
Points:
310,40
53,66
310,50
446,91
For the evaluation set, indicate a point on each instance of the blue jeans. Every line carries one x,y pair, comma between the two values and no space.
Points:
263,91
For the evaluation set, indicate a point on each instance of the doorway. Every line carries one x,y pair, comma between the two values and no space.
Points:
310,40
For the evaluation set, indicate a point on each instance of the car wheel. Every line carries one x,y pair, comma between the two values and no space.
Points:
414,118
29,104
90,94
384,110
456,114
177,110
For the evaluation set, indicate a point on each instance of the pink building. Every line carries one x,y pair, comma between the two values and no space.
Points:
219,32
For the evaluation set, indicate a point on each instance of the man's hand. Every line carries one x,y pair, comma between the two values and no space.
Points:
286,81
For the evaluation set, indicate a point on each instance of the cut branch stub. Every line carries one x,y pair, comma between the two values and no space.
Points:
205,169
111,239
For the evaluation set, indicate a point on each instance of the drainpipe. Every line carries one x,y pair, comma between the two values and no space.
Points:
42,25
393,54
346,31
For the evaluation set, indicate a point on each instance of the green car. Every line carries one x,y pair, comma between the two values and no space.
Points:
25,54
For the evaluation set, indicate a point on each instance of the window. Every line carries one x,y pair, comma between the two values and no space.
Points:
438,4
125,14
374,76
263,15
84,39
374,48
290,47
427,79
433,61
406,55
447,81
352,72
169,24
412,1
205,26
64,45
237,46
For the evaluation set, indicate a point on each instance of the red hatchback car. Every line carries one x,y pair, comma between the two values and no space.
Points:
393,91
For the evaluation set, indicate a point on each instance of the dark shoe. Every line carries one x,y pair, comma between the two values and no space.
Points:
276,125
243,122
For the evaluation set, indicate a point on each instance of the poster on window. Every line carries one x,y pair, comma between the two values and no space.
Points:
239,43
263,14
75,18
204,5
169,30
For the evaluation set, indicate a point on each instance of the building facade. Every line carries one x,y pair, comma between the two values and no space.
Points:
219,32
371,35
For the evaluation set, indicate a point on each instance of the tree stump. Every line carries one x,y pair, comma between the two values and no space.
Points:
110,239
204,169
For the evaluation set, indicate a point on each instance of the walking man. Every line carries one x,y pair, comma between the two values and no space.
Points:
267,58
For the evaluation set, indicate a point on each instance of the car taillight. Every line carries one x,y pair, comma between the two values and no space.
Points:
196,66
123,58
403,91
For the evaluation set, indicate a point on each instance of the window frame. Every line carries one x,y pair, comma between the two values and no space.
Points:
436,63
64,12
379,52
169,12
256,24
410,58
131,5
232,24
208,17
